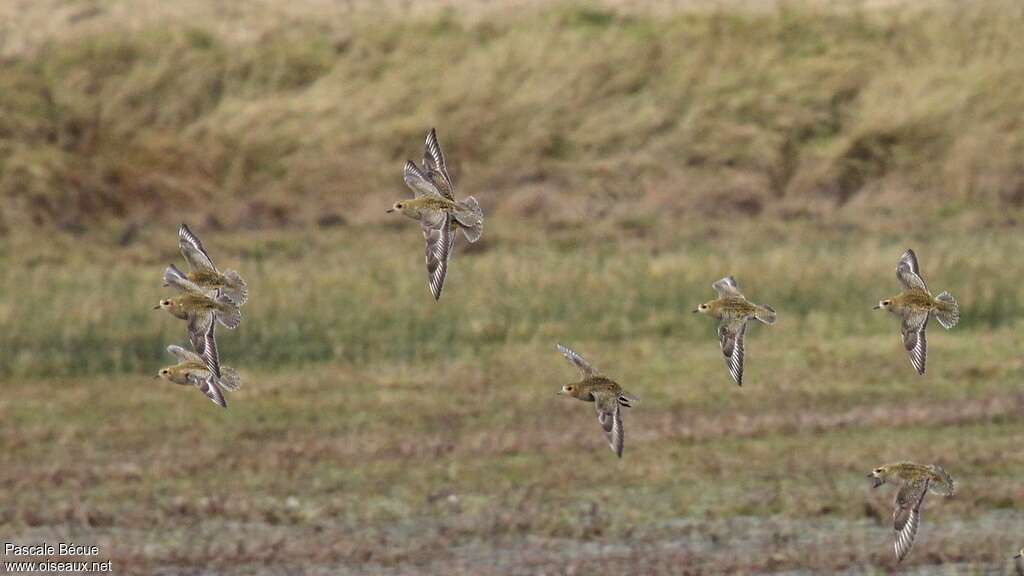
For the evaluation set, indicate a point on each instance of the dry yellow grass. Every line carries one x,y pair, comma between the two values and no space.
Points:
557,115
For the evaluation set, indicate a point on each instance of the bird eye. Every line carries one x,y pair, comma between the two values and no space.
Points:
399,205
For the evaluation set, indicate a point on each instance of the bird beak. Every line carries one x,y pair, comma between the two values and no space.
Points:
876,307
389,210
695,310
155,376
875,481
1018,555
157,307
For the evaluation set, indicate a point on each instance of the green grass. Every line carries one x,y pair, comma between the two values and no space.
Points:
357,296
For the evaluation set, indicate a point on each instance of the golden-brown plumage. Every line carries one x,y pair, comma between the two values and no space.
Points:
202,271
914,306
733,310
605,393
439,214
915,480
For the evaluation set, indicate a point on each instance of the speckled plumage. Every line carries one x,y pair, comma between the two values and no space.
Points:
199,307
469,218
439,214
733,310
606,394
915,480
202,370
915,305
203,272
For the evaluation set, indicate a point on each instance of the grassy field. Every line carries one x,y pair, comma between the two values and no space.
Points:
626,156
381,432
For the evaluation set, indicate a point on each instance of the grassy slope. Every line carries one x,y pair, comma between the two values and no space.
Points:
556,116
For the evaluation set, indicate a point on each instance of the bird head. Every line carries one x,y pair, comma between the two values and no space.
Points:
884,304
879,476
570,390
164,373
403,207
1020,554
702,309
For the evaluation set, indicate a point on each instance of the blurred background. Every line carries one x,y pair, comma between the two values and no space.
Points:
627,155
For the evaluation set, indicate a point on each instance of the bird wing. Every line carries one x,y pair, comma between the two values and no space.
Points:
208,386
730,335
907,515
210,355
727,287
914,337
417,182
193,251
198,325
610,416
184,355
177,279
439,250
436,170
909,273
586,370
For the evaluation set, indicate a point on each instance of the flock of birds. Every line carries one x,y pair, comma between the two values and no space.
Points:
209,297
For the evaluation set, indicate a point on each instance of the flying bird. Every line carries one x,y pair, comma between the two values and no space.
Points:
733,310
199,306
915,480
202,370
434,206
607,396
914,306
204,273
435,169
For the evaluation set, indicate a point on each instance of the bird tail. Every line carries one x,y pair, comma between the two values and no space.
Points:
227,313
237,289
627,400
766,314
472,220
942,483
173,275
230,379
948,311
